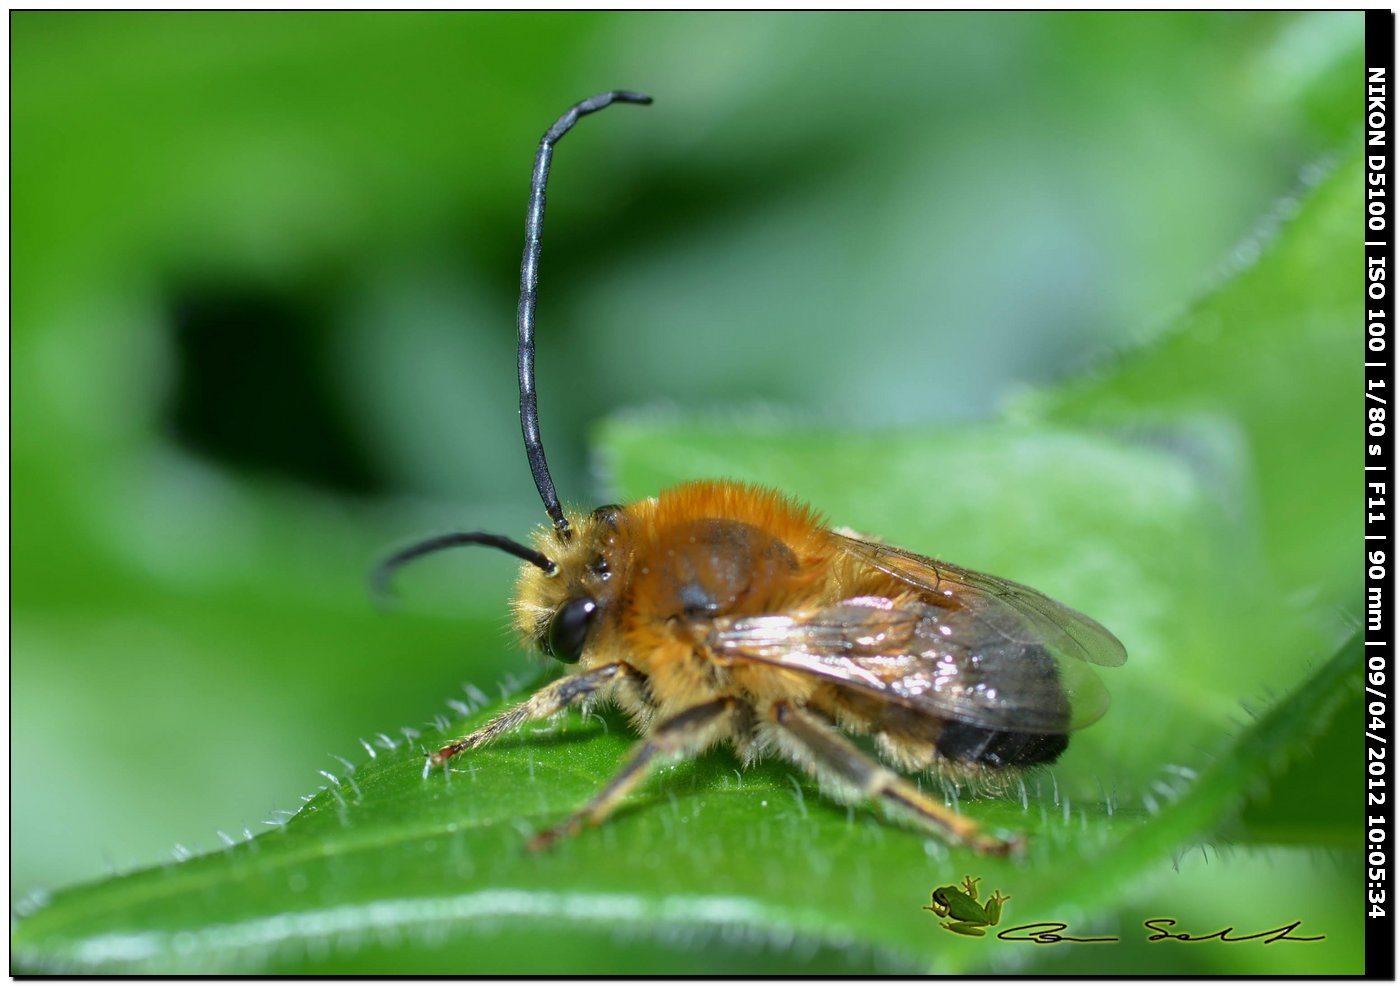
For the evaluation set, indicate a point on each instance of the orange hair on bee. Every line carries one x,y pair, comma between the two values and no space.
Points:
651,528
784,525
792,522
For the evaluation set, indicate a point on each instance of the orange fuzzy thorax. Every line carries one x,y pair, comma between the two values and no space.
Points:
787,552
695,551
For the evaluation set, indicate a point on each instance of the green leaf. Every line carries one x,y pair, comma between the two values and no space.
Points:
429,873
1179,497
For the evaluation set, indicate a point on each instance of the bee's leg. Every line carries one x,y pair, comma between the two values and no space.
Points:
817,747
552,698
685,733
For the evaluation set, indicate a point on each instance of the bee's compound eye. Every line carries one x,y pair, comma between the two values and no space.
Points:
568,630
608,514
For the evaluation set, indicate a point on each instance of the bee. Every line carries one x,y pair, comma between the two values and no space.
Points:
723,612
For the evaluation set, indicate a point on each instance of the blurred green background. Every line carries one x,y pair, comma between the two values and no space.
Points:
264,270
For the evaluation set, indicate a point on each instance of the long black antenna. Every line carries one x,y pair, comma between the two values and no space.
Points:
529,285
379,579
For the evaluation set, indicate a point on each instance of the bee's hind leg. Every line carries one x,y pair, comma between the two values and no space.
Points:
817,747
686,733
552,698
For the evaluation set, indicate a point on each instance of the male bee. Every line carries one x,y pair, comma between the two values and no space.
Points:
718,611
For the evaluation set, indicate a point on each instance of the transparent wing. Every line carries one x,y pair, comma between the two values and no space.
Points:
994,607
947,662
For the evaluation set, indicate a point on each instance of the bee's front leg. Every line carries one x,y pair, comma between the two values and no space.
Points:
552,698
684,733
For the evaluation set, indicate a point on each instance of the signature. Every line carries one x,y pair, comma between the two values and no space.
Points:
1048,935
1052,933
1281,933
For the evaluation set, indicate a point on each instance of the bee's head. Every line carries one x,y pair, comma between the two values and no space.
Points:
560,613
566,585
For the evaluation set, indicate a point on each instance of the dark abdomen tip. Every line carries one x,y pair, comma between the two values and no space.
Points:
974,744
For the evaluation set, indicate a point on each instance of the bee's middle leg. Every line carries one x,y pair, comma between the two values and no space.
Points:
552,698
817,747
685,733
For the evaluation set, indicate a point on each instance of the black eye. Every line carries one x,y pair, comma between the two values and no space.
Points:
608,513
568,630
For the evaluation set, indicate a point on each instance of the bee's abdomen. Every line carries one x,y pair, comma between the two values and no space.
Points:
992,748
1029,672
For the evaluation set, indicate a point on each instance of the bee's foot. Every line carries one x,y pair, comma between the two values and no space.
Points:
545,839
448,752
992,846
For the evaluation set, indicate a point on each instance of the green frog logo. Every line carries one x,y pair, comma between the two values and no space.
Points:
959,903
